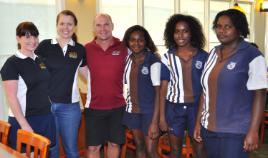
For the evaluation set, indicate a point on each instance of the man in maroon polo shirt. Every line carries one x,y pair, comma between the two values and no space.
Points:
105,106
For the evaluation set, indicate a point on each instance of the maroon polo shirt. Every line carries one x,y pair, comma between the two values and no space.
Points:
106,74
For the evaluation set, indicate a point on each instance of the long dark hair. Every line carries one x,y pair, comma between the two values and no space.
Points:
26,28
69,13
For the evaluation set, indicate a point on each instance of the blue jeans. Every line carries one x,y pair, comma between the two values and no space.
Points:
67,118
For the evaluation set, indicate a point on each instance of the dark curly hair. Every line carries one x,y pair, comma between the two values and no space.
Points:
197,37
149,43
238,19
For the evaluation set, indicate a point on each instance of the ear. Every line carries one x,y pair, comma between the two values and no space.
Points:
18,38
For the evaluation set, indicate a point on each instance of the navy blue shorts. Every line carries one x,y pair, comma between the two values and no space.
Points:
181,117
223,145
138,121
41,124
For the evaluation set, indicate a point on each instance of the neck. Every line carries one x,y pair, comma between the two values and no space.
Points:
232,45
185,48
138,55
63,41
104,44
27,53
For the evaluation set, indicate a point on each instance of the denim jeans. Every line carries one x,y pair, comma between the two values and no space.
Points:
67,118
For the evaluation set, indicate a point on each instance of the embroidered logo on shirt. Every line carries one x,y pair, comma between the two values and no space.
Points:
198,64
231,65
42,66
73,55
116,52
145,70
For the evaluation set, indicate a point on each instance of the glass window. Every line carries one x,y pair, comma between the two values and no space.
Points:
123,13
215,7
41,13
156,14
194,8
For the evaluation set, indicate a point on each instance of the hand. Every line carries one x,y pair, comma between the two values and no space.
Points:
153,131
163,125
251,141
197,133
27,128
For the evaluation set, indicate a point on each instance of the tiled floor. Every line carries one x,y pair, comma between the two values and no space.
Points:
262,152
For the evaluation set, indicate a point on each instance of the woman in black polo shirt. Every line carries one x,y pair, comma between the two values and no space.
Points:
64,57
25,80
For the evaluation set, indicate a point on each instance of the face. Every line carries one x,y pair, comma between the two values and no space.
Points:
136,42
65,26
28,42
103,28
226,31
182,34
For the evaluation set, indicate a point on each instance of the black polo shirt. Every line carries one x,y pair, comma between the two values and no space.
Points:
63,65
33,80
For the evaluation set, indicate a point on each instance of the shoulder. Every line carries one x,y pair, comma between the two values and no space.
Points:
79,46
10,67
12,60
249,50
45,42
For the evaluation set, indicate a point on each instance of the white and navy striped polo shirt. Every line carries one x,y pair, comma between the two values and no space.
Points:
177,84
33,79
228,87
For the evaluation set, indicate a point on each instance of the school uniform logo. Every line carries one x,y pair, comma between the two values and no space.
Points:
116,52
198,64
145,70
231,65
73,55
42,66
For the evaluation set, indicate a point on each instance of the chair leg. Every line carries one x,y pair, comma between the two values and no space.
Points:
123,151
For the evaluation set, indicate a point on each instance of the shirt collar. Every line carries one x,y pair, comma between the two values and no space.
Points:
22,56
55,41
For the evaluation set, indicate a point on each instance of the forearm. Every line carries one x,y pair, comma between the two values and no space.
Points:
257,110
155,118
162,99
10,88
17,112
83,71
199,111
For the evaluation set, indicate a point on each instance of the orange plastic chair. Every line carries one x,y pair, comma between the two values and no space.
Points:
129,143
34,141
164,146
4,131
264,123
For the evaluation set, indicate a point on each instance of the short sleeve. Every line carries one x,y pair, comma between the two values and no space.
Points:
155,73
41,48
165,74
9,70
257,74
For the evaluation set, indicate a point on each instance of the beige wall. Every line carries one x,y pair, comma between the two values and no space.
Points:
260,30
85,10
